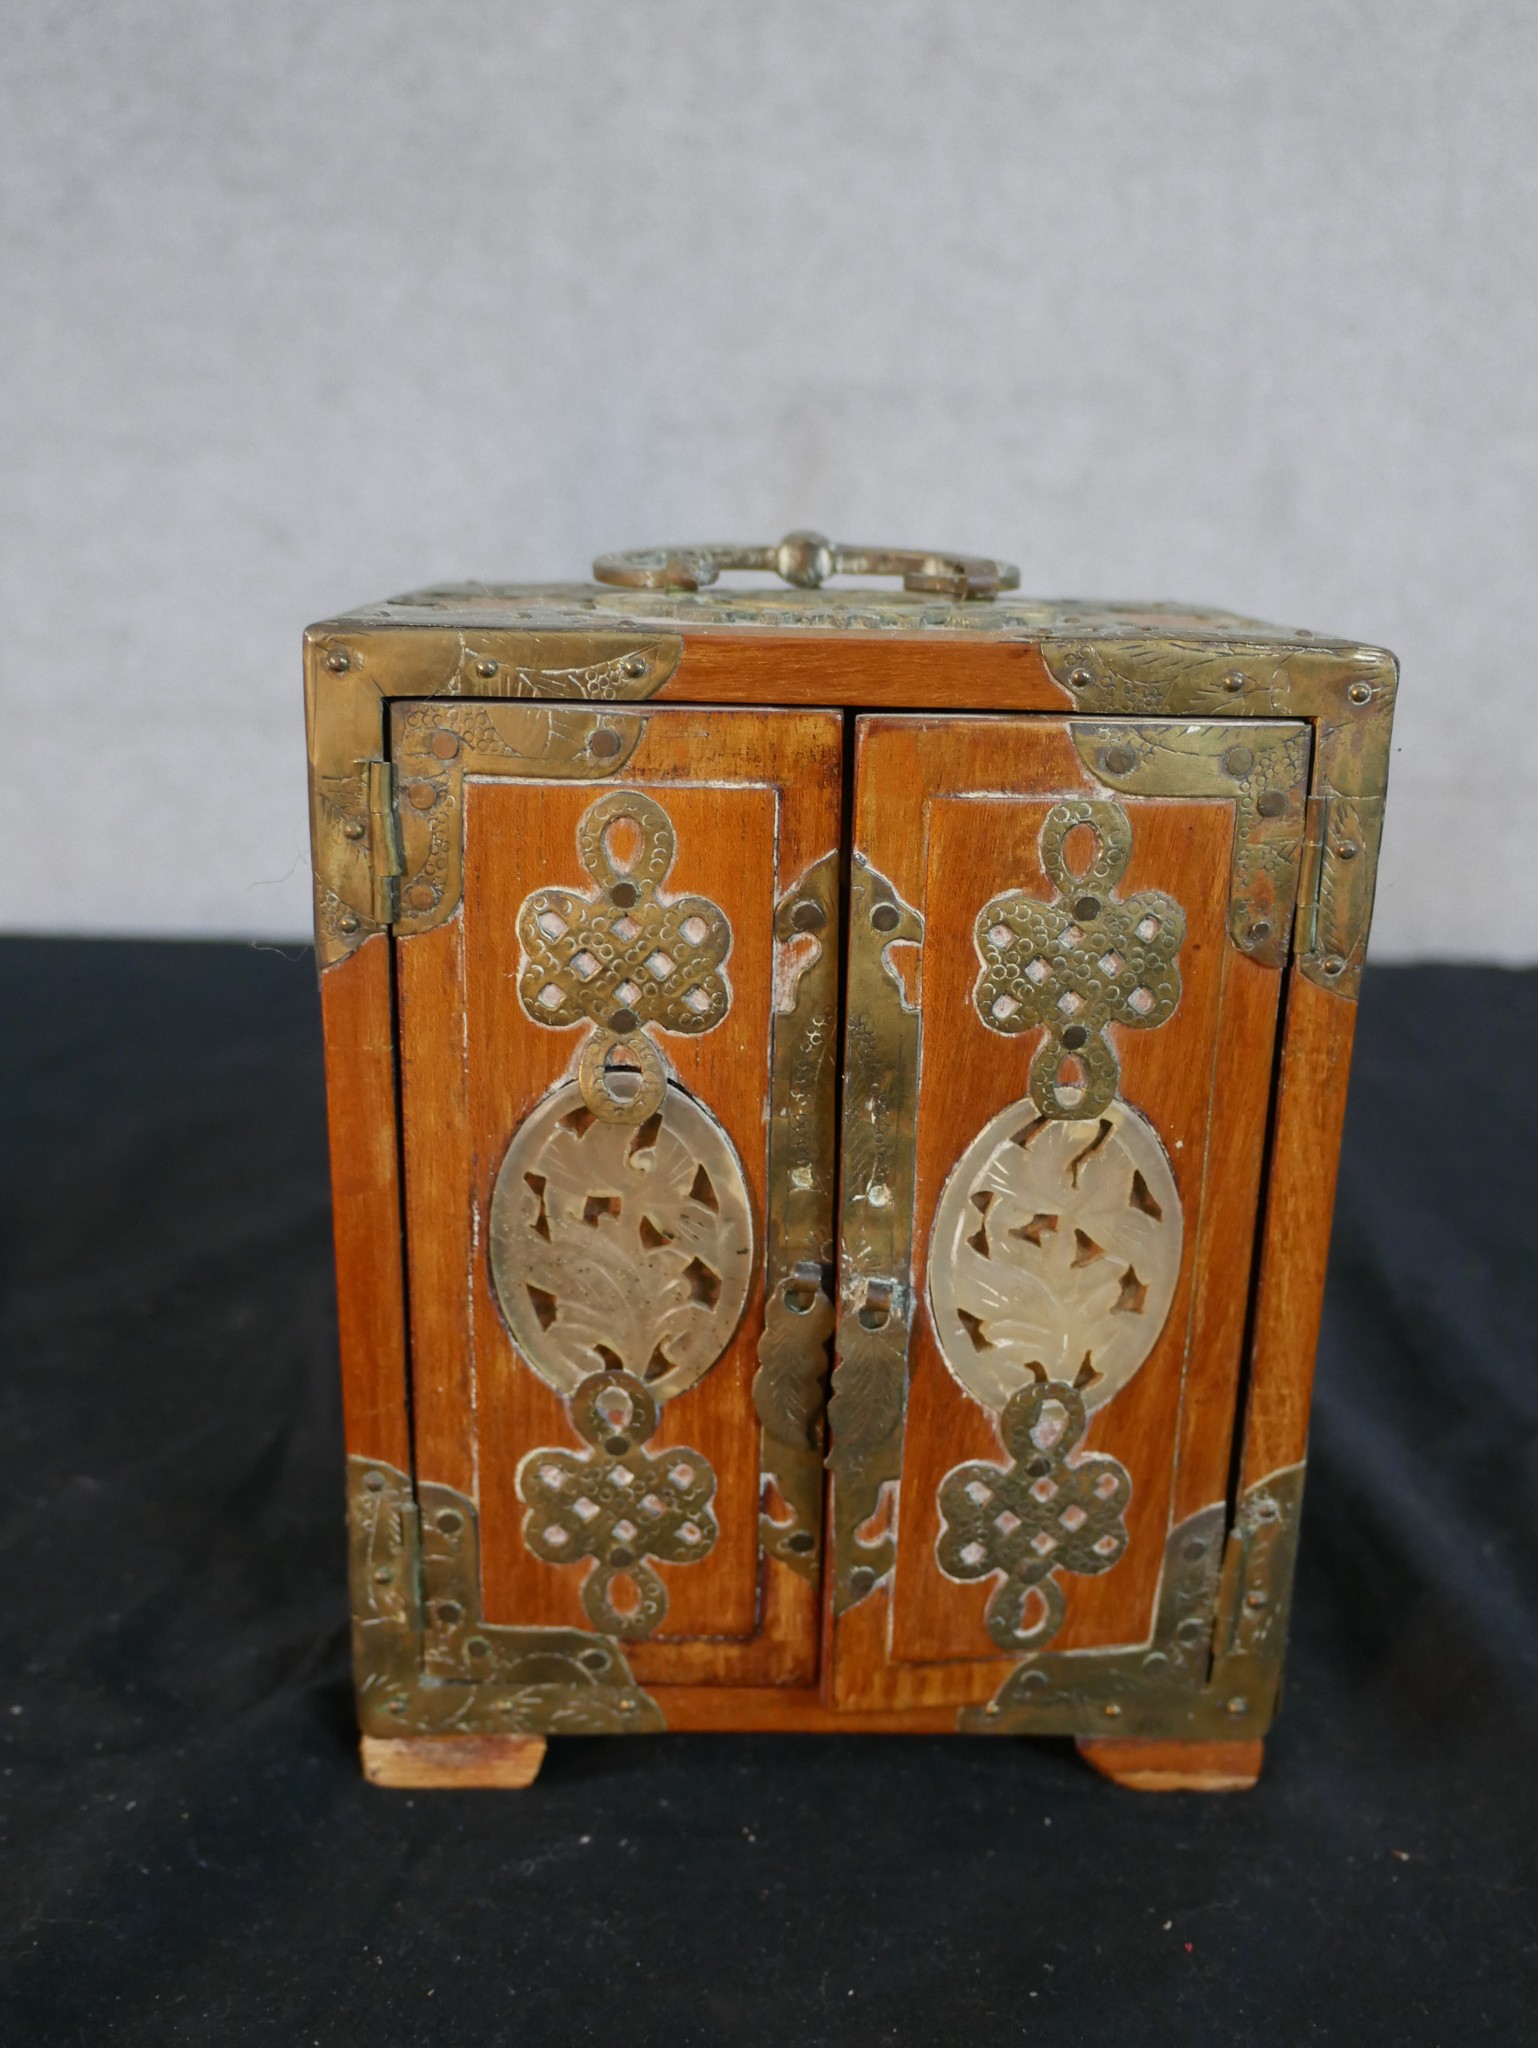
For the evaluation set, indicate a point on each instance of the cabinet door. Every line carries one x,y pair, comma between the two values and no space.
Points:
1065,940
617,976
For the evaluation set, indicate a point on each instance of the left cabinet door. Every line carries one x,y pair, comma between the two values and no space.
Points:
617,985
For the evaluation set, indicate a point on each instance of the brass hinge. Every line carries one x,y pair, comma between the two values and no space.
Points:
384,841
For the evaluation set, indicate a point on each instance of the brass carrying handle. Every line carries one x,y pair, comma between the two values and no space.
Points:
805,559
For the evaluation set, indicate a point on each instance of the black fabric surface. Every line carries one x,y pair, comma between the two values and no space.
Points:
190,1854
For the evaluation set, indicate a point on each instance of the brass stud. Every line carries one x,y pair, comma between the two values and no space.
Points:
1332,964
1256,1599
1258,932
624,894
353,829
1075,1036
605,743
635,665
338,663
384,1575
450,1521
1080,678
627,1705
422,896
623,1022
1236,679
348,924
487,668
422,796
1112,1710
1237,1705
1347,850
886,917
374,1481
450,1613
1087,908
1271,803
992,1708
1118,760
478,1646
808,916
1360,693
1238,762
445,745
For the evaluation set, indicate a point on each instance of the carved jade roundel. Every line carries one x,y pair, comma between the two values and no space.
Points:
1055,1253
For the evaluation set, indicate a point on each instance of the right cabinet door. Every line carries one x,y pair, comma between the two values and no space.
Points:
1065,944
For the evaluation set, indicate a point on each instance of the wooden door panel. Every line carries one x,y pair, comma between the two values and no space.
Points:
751,801
951,813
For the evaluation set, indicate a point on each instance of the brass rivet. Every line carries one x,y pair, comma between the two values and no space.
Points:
1080,679
802,1540
445,745
992,1707
1360,693
623,1022
1235,679
1238,761
635,665
1237,1705
1086,908
353,829
1333,964
605,743
1258,932
449,1612
808,917
478,1646
624,894
1271,803
422,896
1112,1710
450,1521
1347,850
486,668
1255,1600
374,1481
627,1706
384,1575
886,917
1118,760
622,1556
338,662
1075,1036
422,796
347,924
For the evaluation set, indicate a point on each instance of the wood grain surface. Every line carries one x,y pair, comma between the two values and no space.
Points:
754,799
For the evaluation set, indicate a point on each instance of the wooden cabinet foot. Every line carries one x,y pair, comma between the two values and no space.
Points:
430,1763
1174,1766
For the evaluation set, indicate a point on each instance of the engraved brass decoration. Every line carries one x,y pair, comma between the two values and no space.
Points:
1048,1511
1079,963
806,559
870,1378
1055,1253
437,745
1261,766
1212,1665
354,669
789,1385
624,957
1348,694
425,1661
618,1504
621,1247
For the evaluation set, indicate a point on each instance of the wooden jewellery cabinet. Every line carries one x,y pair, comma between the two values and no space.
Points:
834,1103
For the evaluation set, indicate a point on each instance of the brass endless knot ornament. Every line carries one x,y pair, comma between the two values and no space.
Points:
618,1504
1083,961
1046,1512
624,958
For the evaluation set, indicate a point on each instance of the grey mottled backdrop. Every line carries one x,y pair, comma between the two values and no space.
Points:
309,301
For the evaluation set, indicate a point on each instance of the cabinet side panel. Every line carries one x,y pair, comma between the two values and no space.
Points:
365,1195
1300,1203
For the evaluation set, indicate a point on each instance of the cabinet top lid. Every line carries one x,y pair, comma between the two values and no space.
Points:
590,607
